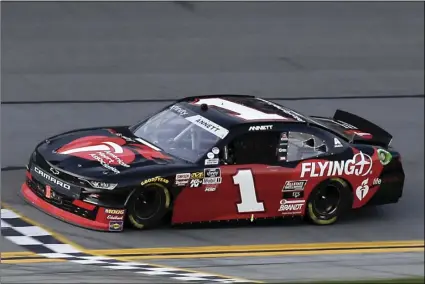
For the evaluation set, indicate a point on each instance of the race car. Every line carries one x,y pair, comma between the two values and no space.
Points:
215,158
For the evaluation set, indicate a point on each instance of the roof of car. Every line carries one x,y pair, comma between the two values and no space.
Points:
228,110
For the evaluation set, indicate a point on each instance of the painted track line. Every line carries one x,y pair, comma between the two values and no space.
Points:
29,235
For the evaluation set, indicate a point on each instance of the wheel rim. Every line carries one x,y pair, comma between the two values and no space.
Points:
147,203
327,200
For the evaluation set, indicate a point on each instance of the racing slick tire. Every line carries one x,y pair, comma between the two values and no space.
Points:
148,205
329,201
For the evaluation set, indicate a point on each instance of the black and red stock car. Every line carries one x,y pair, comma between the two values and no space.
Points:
213,158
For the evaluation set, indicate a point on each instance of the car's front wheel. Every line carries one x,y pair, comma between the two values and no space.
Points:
329,201
148,205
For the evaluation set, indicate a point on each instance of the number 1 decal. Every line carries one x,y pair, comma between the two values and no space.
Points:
249,202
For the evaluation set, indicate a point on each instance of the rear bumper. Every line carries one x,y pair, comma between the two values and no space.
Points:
75,212
391,188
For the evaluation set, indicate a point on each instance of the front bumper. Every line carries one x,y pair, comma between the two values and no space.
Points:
74,211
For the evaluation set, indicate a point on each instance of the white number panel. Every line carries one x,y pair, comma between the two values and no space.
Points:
249,202
244,112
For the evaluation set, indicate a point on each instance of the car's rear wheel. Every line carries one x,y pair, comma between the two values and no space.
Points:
329,201
148,205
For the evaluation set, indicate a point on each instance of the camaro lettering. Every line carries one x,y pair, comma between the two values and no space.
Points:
154,179
359,165
52,179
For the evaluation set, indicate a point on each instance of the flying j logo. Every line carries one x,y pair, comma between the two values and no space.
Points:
359,165
109,150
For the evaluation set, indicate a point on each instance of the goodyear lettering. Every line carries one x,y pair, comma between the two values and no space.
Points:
155,179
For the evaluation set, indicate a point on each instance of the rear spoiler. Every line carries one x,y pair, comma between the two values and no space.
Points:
379,135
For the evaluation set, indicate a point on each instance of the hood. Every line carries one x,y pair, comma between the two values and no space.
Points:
98,152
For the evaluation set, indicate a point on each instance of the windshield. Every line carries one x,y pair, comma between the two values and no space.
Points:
178,133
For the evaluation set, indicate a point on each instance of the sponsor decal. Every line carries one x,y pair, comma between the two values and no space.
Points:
52,179
212,173
281,150
116,225
181,182
109,151
179,110
282,159
115,217
291,206
208,125
102,185
215,151
362,190
198,175
209,162
293,194
260,127
384,156
210,155
210,189
292,185
359,165
114,211
337,143
195,183
376,181
212,180
184,176
155,179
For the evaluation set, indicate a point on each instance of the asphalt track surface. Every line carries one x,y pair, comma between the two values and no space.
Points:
55,55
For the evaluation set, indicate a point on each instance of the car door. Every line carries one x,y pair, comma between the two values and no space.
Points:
246,184
265,180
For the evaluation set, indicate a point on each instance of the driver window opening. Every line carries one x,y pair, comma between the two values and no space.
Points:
252,148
